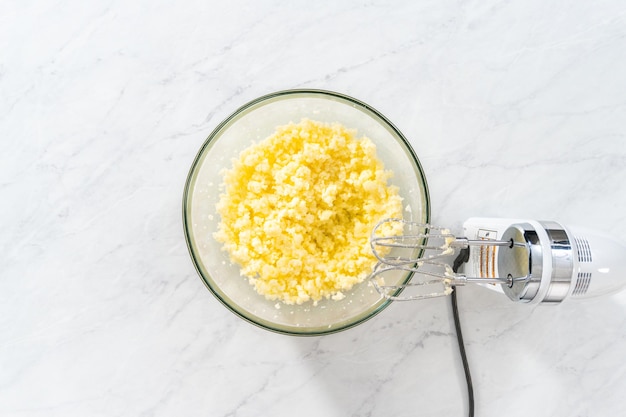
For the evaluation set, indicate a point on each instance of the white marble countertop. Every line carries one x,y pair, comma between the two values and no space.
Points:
514,109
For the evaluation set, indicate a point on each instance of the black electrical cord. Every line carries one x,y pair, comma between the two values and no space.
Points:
461,259
459,338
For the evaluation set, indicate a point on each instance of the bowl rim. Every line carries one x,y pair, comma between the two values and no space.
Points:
292,330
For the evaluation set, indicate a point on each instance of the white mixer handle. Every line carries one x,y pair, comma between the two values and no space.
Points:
601,266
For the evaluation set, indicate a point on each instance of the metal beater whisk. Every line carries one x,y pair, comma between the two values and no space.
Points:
401,245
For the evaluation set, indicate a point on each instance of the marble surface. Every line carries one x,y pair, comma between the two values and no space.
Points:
514,108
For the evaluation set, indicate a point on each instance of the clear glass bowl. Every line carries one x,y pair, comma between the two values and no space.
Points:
254,122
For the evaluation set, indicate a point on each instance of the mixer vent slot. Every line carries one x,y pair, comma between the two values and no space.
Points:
584,251
582,283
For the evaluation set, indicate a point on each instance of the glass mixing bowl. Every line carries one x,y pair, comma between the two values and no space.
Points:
254,122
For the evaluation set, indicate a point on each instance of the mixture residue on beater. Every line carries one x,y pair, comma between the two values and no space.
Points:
297,210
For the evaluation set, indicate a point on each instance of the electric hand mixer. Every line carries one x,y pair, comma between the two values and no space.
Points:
532,261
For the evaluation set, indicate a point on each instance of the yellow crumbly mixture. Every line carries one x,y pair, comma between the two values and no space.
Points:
298,208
